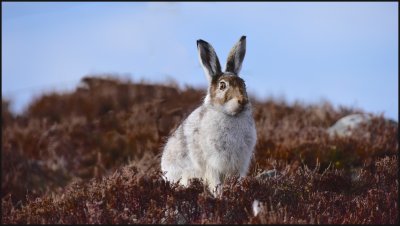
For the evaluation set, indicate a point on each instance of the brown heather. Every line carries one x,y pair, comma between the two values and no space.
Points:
93,156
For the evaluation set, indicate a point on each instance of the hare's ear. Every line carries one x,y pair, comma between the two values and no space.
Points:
208,59
236,56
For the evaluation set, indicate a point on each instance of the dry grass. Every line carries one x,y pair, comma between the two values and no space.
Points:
93,156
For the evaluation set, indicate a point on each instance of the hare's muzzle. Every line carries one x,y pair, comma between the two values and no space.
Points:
241,101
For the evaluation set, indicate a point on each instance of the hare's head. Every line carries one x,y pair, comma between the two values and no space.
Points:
227,91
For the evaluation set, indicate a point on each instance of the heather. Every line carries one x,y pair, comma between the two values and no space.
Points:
93,156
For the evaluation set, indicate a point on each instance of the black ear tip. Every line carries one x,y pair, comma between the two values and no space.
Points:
243,38
200,41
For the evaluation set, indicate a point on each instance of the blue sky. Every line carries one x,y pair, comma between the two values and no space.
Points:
346,53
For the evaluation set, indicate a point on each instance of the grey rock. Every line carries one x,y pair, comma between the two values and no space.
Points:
267,174
345,126
257,207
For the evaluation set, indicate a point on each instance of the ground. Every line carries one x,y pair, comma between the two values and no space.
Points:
93,156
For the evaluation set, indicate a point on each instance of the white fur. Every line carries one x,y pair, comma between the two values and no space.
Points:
210,147
232,106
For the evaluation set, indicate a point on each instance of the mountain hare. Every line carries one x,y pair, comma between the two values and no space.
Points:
217,139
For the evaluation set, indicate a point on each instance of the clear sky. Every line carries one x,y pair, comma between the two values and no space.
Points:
346,53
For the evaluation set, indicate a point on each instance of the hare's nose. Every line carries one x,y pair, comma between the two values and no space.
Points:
240,101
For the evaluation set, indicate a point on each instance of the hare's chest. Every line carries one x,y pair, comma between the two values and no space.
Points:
230,139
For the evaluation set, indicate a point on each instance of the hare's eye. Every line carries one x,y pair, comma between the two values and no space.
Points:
222,85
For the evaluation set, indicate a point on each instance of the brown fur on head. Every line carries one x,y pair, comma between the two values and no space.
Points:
227,90
230,90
